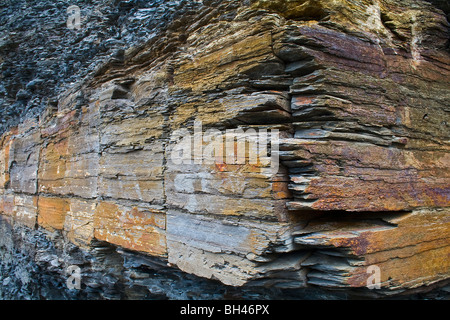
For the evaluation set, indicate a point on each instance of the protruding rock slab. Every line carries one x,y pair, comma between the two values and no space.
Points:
409,248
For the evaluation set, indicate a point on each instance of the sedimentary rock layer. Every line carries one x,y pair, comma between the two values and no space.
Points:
358,92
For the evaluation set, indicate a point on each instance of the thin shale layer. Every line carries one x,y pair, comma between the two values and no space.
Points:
358,92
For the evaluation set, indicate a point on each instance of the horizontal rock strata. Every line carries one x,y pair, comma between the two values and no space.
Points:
358,91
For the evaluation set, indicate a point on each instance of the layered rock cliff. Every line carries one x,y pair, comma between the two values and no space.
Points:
358,92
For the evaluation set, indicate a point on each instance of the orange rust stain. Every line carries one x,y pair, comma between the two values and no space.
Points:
52,212
222,167
303,100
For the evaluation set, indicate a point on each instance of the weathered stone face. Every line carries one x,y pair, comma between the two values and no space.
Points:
79,222
357,91
139,229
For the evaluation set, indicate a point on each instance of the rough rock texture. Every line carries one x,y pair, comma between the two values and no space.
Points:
358,91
